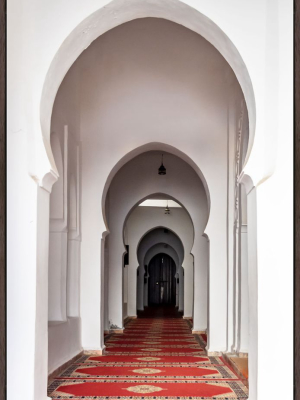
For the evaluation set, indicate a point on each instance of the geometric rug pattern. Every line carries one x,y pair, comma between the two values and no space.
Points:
153,359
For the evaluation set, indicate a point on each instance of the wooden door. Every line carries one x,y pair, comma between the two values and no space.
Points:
161,281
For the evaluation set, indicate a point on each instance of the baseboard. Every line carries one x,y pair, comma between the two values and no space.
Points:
116,331
199,332
94,352
64,366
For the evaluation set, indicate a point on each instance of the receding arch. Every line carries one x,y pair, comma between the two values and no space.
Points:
161,252
154,146
124,193
156,249
153,231
155,236
118,12
167,196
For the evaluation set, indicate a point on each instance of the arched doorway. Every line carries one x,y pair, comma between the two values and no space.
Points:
115,319
162,281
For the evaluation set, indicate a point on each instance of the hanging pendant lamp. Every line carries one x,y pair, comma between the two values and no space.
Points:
162,170
167,210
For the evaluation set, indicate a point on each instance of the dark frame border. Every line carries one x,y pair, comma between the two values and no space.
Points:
297,200
3,199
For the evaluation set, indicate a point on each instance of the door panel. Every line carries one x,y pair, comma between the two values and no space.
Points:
161,281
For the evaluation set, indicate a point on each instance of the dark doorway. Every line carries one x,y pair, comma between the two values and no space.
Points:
161,281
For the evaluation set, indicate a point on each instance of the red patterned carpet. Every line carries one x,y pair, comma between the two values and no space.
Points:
155,358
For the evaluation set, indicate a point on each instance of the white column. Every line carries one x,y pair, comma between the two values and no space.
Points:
236,286
115,284
140,288
73,281
201,257
58,237
102,291
74,232
217,285
106,281
132,289
146,290
266,277
177,289
181,289
125,291
253,290
244,306
132,279
58,252
231,179
188,286
93,230
41,316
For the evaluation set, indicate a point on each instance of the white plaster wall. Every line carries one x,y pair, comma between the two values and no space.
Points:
65,236
64,342
21,271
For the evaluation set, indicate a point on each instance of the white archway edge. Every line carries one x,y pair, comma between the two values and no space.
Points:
154,146
97,19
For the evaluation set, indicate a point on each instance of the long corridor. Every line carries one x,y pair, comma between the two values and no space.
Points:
155,358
